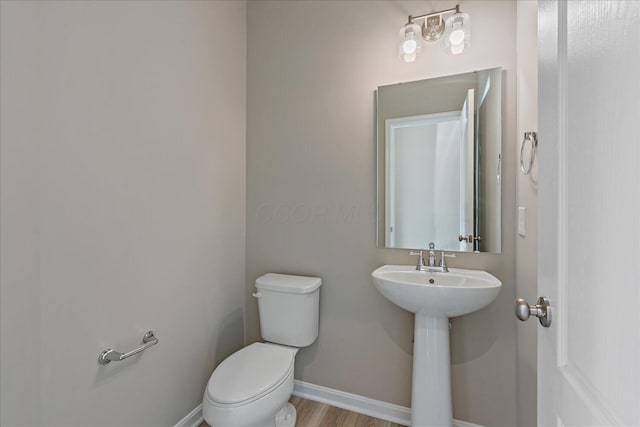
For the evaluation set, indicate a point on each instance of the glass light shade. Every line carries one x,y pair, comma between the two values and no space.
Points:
409,57
457,33
410,42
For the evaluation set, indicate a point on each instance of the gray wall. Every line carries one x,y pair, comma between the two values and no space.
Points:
526,247
123,206
312,71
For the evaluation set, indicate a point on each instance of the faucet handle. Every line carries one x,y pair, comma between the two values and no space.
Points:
432,246
443,263
420,256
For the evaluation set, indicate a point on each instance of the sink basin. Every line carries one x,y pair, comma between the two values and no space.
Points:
434,297
451,294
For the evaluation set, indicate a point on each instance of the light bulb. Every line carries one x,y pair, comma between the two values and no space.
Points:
456,37
409,46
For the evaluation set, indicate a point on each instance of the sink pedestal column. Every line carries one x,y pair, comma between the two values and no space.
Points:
431,388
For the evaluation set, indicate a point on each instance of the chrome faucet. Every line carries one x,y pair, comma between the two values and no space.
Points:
432,254
431,266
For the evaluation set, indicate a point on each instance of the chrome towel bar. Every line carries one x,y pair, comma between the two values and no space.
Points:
110,355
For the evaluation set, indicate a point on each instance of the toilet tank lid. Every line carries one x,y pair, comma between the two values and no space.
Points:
288,283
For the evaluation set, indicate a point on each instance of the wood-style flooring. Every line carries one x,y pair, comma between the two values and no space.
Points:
314,414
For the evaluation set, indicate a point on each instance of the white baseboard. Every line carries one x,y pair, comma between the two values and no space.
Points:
192,419
340,399
360,404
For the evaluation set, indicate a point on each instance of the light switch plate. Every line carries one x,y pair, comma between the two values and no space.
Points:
522,221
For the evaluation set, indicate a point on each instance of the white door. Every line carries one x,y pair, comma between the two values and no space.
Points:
589,212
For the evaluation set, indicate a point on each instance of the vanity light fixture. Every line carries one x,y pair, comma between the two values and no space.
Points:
456,28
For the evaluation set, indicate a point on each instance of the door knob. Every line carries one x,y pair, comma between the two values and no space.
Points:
541,310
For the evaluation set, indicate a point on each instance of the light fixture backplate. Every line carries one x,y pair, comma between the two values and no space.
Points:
432,28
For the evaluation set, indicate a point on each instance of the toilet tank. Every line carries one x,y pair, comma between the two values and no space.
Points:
289,308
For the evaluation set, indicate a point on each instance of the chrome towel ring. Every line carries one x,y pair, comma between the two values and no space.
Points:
532,137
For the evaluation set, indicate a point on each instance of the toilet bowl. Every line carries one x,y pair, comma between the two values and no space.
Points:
252,387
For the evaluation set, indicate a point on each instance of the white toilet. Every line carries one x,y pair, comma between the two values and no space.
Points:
251,388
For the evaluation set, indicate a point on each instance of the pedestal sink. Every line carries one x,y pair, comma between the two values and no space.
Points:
434,297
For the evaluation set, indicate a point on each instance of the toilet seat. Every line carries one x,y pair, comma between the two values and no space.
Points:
250,373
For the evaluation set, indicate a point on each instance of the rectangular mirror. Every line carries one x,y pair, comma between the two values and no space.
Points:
439,154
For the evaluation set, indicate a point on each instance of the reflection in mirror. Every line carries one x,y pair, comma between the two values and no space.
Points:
439,163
